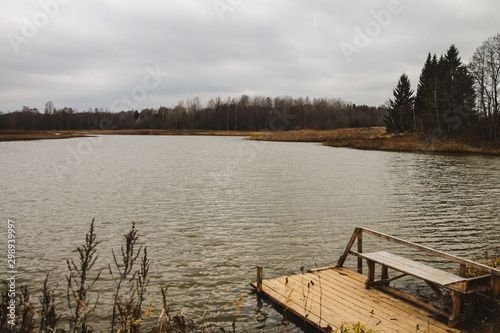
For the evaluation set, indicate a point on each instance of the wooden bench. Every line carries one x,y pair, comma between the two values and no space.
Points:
457,284
408,267
433,278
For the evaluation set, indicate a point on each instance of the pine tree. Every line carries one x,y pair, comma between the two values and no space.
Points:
456,90
401,116
426,98
444,102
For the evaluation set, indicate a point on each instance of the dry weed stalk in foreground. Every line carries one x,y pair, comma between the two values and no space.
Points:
131,290
128,300
80,283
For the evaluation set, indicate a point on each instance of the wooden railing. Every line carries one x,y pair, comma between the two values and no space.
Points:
464,263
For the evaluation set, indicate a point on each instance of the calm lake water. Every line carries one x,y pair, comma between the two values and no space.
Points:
210,209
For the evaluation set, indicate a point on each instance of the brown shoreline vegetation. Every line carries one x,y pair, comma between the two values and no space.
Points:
366,138
25,135
376,138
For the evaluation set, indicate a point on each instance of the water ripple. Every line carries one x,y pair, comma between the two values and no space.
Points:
210,208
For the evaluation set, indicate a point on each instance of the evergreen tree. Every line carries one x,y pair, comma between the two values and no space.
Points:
401,116
426,98
445,95
457,96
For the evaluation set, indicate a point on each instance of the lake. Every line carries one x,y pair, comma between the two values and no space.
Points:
210,209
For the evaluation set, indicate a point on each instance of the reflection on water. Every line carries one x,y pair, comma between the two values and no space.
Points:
212,208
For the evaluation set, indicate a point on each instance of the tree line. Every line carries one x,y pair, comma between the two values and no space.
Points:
452,98
239,114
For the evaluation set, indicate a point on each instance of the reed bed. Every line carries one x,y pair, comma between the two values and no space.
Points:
167,132
376,138
341,137
367,138
23,135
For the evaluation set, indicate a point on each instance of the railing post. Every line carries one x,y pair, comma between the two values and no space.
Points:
463,270
360,250
342,259
259,279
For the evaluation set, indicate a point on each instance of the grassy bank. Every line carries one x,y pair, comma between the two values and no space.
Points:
168,132
339,137
369,138
22,135
376,138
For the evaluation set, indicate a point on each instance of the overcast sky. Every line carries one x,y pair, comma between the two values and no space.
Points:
137,54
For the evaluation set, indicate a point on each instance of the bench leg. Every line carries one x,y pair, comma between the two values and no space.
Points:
385,274
455,312
471,306
439,294
495,285
371,274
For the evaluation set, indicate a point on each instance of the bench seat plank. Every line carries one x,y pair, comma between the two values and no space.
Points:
413,268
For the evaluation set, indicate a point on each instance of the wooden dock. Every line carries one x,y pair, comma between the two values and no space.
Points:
330,298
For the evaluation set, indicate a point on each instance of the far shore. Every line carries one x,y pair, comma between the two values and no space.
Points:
367,138
376,138
26,135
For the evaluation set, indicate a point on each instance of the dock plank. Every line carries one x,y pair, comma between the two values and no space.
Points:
346,305
372,306
378,304
337,296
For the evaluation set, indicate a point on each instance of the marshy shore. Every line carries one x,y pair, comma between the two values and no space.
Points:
25,135
368,138
376,138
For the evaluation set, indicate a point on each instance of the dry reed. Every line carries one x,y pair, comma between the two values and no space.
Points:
376,138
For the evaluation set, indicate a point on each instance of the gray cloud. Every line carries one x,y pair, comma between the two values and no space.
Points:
90,53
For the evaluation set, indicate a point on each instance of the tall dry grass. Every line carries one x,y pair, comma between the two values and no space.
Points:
376,138
24,135
487,306
337,136
367,138
130,273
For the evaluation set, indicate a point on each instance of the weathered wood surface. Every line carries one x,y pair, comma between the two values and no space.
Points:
413,268
461,261
489,280
330,298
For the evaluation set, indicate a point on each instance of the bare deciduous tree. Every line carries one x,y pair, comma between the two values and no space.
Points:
485,68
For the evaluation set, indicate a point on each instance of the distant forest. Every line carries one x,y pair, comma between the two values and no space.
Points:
239,114
451,99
